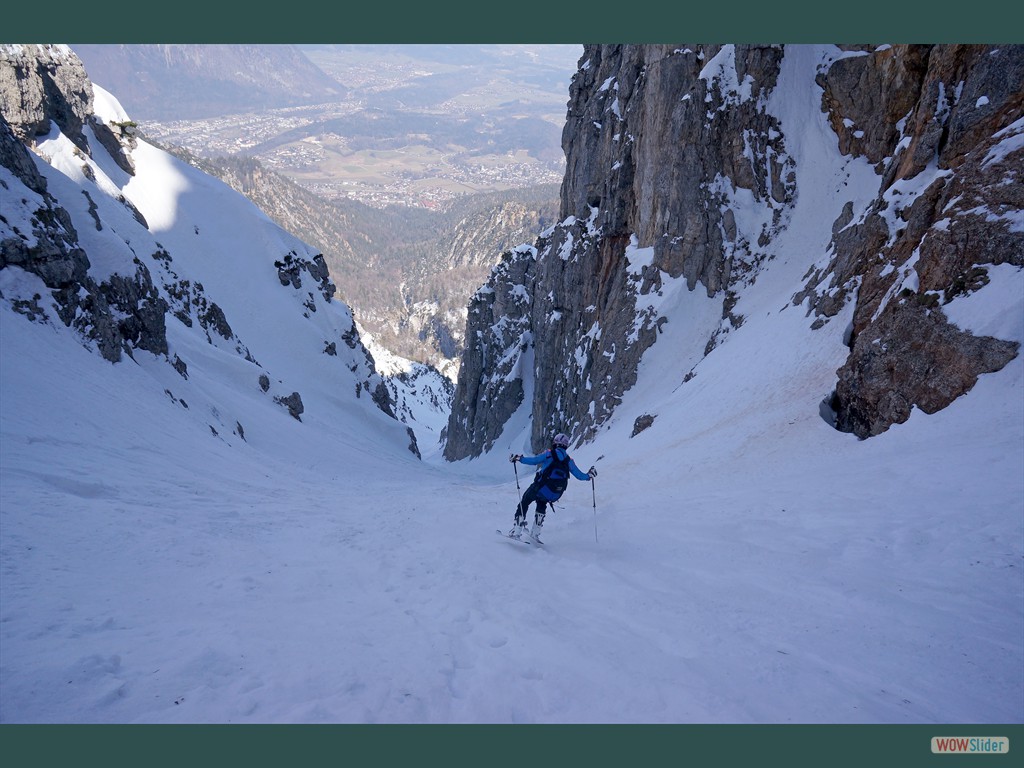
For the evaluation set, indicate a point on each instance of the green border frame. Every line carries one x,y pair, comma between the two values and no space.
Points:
521,21
496,746
525,21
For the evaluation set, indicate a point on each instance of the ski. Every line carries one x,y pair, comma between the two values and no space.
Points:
526,538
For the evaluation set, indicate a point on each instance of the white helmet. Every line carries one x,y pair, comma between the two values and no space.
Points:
561,440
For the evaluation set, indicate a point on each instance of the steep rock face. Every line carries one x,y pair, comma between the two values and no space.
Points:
659,138
490,387
677,170
43,83
944,125
867,96
660,142
911,356
40,84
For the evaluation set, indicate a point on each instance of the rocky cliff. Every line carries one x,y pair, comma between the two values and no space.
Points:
95,264
678,167
934,119
40,87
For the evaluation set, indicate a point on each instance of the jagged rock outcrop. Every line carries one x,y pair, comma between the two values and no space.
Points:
498,339
659,140
293,403
866,97
118,314
40,86
50,248
677,169
291,267
14,157
943,123
44,84
910,357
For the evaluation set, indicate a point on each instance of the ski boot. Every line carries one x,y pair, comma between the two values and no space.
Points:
518,527
538,523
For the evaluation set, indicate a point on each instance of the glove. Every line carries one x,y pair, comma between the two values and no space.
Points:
592,472
515,457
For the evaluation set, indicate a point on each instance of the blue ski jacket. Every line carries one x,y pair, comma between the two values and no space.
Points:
544,459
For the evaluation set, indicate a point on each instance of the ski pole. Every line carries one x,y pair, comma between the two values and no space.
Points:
519,495
594,492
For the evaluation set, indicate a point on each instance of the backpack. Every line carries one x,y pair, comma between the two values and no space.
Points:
554,478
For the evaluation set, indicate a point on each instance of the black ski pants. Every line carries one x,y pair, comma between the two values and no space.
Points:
533,495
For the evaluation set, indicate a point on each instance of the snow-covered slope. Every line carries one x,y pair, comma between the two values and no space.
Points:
207,246
739,561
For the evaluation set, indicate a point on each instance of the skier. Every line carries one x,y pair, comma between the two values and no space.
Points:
548,484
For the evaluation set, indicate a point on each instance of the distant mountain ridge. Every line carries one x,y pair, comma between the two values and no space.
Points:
176,81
